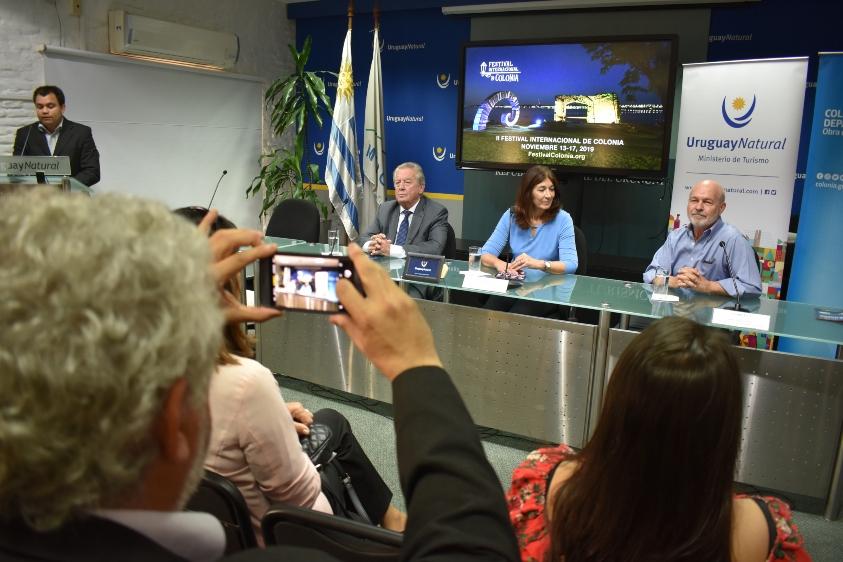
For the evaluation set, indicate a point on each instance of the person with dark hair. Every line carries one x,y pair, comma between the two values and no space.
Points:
455,508
540,235
254,439
655,481
53,135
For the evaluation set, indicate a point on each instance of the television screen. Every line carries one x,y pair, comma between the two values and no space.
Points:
599,106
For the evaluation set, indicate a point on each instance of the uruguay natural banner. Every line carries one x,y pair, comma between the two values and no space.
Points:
739,124
817,268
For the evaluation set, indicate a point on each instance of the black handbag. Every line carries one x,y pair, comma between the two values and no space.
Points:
336,483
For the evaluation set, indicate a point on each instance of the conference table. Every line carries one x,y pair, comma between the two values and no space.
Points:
544,378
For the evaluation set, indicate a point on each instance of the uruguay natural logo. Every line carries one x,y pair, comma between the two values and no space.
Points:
438,153
738,116
443,80
319,148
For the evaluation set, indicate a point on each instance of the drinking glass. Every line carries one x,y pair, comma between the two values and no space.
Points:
334,242
474,258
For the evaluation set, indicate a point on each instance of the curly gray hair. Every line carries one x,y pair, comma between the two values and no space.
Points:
107,302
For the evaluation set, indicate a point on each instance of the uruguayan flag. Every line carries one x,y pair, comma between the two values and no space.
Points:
343,169
374,150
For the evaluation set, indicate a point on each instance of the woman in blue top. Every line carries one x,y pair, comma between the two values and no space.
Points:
539,232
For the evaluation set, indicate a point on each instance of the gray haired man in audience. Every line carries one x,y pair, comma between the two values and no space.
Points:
111,326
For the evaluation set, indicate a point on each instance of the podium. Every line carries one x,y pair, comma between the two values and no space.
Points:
23,172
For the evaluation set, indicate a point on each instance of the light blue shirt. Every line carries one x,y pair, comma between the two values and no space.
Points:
681,250
554,241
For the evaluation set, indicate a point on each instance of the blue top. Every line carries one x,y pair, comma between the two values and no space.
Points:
554,241
681,250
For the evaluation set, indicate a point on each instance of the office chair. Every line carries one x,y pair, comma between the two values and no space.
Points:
295,218
450,251
219,497
582,250
347,540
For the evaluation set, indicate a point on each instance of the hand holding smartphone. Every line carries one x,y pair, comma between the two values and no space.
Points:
304,282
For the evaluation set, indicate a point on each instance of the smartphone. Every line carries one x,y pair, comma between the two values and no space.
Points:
304,282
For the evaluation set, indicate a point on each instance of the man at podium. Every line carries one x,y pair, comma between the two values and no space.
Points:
53,135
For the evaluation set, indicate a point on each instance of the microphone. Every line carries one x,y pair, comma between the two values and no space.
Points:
224,172
26,140
732,275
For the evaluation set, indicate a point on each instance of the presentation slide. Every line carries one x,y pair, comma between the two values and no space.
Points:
594,106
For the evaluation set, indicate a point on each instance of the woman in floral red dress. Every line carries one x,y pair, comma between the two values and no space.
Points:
655,482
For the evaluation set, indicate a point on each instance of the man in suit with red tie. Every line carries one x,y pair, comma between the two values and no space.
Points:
53,135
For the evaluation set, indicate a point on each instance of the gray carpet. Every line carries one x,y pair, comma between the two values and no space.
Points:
373,427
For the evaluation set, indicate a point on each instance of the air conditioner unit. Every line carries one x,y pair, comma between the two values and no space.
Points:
140,36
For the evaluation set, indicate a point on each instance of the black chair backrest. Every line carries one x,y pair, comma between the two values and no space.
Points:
347,540
582,250
450,251
295,218
219,497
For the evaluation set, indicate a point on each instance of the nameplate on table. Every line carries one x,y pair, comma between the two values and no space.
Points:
661,297
485,283
424,267
31,165
738,319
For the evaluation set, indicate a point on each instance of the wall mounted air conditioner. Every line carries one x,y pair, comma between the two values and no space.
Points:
140,36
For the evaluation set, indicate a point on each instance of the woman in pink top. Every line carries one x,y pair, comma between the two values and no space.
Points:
254,440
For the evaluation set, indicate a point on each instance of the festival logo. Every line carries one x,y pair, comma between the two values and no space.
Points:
499,71
738,116
443,80
439,153
319,148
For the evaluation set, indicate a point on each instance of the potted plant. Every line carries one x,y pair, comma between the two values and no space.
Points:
292,100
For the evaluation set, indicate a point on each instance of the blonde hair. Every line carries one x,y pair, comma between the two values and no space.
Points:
107,302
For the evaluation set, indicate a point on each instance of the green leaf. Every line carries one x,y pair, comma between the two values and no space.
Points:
304,55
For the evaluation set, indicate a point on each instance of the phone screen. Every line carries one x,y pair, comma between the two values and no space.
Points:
304,282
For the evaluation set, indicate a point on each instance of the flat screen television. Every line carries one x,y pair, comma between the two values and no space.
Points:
585,105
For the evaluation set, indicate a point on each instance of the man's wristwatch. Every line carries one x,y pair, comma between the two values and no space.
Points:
547,266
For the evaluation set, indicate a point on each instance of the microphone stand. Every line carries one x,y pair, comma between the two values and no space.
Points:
224,172
737,306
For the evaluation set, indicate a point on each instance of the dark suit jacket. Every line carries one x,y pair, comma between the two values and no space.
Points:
91,540
75,141
456,507
428,231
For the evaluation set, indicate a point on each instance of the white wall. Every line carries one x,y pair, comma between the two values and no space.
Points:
261,25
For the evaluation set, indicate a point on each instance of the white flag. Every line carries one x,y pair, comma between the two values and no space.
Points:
374,149
343,168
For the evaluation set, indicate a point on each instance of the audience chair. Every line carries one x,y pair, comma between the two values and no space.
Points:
347,540
295,218
219,497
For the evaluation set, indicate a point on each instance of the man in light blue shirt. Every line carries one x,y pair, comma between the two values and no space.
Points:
693,254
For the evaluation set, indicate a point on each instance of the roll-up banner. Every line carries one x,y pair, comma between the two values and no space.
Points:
739,125
817,268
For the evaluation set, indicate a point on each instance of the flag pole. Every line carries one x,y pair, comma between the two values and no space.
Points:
342,172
